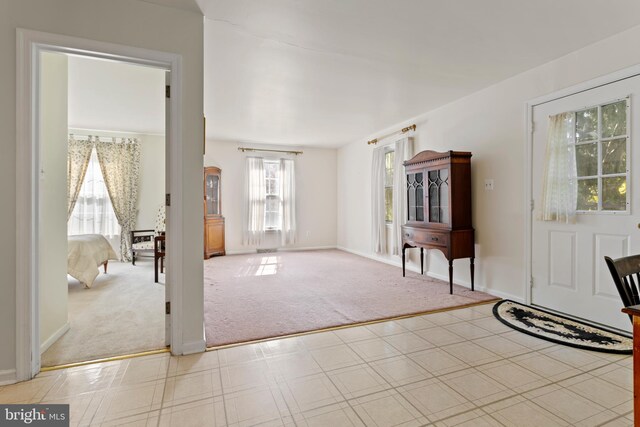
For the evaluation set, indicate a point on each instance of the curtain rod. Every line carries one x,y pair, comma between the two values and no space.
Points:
243,149
403,130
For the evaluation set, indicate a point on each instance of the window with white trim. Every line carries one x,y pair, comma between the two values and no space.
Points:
273,205
601,153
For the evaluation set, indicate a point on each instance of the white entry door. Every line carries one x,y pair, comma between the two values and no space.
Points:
568,268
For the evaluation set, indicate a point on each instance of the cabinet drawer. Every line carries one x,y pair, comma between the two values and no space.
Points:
426,237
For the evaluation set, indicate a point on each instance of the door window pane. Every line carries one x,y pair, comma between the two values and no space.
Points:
587,125
614,119
588,194
614,156
587,159
601,157
614,193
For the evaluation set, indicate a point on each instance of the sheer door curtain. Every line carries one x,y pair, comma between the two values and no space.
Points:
559,188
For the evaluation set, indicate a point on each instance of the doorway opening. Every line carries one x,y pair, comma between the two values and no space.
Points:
29,249
102,182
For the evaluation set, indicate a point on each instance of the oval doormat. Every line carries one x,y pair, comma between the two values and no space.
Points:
561,330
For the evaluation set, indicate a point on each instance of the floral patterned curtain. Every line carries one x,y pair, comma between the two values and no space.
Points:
120,165
78,157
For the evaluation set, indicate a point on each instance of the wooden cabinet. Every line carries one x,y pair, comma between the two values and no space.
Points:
213,219
439,207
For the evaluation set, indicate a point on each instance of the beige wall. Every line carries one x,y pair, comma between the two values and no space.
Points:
315,193
125,22
152,173
490,124
53,197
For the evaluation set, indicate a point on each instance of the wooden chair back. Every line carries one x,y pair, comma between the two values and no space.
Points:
623,271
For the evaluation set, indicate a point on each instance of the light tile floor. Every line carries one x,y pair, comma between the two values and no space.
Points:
456,368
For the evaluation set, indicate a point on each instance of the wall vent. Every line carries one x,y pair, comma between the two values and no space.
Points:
267,250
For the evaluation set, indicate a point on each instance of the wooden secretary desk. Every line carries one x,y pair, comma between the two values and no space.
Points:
439,207
213,219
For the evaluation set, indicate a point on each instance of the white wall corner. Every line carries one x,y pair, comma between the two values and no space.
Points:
8,376
55,337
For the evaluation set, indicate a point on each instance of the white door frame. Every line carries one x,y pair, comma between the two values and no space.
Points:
528,166
29,46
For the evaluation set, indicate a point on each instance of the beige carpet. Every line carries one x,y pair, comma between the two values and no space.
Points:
122,313
257,296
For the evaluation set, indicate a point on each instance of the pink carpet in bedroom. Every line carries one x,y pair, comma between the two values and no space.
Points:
257,296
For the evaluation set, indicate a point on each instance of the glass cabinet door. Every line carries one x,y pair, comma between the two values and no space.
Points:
212,194
415,196
438,199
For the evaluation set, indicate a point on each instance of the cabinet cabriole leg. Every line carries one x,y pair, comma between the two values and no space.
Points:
451,277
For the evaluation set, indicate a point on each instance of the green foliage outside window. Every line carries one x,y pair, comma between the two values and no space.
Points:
601,157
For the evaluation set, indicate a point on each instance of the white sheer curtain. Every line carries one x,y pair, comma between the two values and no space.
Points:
93,212
254,201
378,224
403,151
559,188
288,201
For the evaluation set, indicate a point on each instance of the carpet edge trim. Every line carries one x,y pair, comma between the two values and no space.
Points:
352,325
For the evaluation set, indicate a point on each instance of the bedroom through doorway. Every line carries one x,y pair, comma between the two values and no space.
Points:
102,216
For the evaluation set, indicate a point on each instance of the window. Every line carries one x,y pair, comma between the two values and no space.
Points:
389,158
601,147
272,211
93,212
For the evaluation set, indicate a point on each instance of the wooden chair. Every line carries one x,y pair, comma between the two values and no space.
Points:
158,254
622,270
141,244
142,241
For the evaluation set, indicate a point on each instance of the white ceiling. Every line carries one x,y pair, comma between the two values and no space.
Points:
328,72
115,96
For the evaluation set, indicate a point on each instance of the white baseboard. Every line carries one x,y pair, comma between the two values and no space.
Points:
444,278
194,347
500,294
395,263
241,252
8,376
306,248
55,337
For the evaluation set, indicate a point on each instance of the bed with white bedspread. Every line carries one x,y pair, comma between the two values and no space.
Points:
86,252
